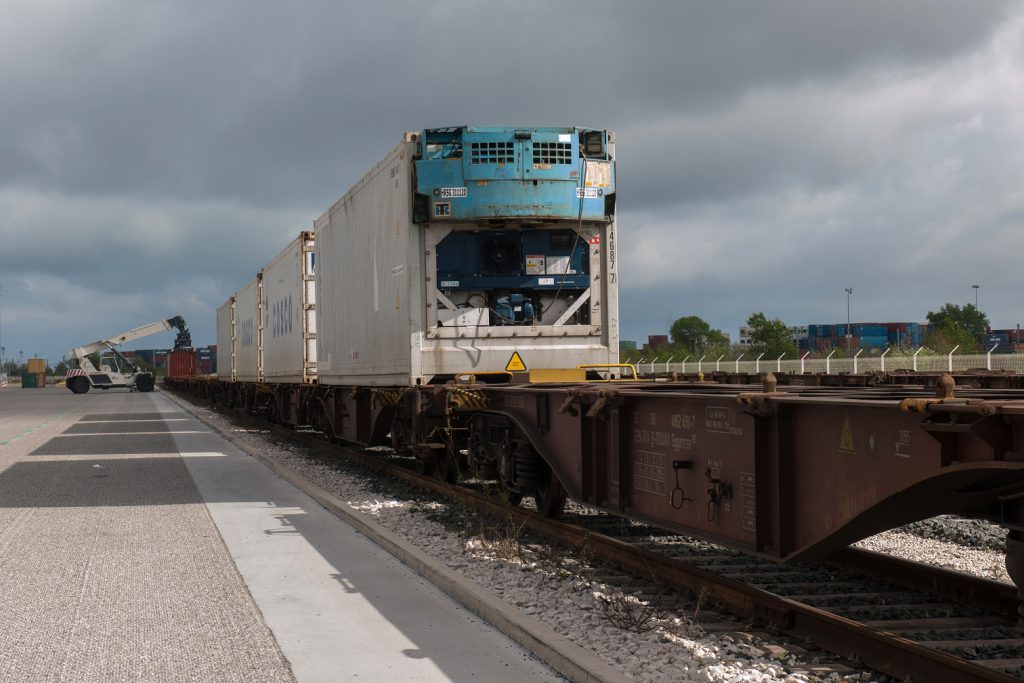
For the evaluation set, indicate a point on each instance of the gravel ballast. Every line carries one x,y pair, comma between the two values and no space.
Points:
669,645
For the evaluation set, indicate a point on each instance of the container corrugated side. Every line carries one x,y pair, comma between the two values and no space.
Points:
290,327
36,365
249,332
225,367
366,323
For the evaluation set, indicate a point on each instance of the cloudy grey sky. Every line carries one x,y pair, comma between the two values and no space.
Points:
154,155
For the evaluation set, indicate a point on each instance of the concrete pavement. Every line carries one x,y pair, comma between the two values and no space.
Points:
137,545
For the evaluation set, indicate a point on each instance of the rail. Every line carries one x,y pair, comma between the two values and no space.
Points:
889,653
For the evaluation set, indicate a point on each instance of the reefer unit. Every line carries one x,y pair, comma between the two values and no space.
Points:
289,308
465,246
249,332
225,368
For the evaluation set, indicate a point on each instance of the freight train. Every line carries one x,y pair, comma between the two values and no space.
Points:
460,303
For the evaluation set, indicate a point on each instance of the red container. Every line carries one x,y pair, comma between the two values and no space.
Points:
181,364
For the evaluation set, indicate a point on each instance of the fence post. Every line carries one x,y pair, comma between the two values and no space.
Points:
738,361
700,364
757,364
653,360
718,362
950,357
915,357
778,364
988,357
828,362
667,362
859,351
802,359
684,364
883,357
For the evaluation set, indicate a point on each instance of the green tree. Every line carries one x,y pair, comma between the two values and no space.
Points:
952,325
947,336
966,317
770,337
692,333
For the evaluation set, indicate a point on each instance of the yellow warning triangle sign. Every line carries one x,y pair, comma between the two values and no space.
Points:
515,363
846,440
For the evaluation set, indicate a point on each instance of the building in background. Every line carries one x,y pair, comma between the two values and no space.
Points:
656,342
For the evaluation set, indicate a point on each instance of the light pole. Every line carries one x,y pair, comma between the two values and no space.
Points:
849,339
2,292
975,288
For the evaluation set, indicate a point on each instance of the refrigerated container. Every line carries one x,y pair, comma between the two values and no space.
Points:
225,366
249,327
289,305
471,250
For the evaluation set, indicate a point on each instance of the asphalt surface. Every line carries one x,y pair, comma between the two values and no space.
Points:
137,545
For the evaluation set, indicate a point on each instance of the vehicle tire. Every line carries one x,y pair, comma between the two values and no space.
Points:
78,385
145,382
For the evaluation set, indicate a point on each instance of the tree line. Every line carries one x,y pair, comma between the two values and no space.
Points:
950,326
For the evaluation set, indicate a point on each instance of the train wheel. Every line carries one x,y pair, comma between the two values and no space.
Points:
273,414
447,465
318,421
549,494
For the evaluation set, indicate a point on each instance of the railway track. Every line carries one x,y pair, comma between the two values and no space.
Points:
903,619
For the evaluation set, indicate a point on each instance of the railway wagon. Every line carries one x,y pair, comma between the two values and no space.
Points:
467,241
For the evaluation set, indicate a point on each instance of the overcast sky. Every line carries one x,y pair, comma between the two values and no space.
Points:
154,155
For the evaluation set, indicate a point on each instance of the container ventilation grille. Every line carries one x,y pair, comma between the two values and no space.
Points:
552,152
491,153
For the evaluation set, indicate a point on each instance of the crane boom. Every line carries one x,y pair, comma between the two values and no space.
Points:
131,335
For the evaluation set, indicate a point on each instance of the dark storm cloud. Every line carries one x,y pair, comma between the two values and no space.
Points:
161,152
269,104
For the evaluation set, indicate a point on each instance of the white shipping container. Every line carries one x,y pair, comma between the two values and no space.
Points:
249,332
384,319
289,305
226,340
